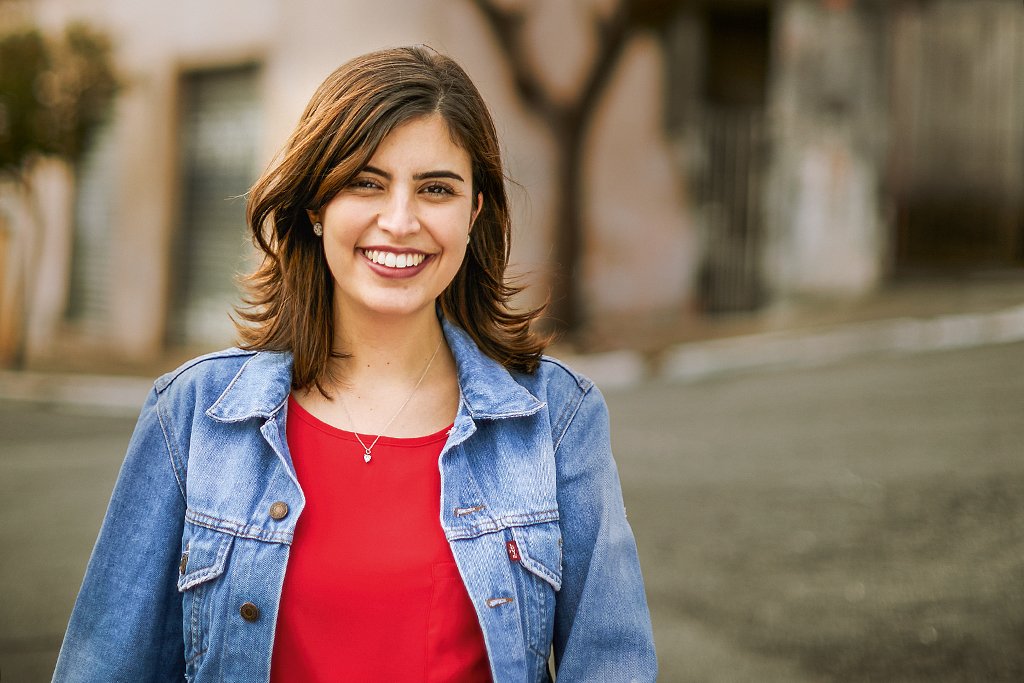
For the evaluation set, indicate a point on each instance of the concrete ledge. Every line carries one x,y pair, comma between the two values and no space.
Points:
694,361
808,348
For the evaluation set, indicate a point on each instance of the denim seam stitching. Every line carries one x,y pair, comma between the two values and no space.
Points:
234,528
166,380
524,604
197,607
169,445
502,523
196,656
200,576
537,568
582,382
564,418
569,421
534,565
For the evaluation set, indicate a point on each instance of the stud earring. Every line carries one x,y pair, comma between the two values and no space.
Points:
318,229
467,237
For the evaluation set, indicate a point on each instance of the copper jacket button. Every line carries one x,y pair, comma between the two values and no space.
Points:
183,563
279,510
249,611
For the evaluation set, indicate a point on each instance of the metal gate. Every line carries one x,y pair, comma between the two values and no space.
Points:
957,150
728,192
718,64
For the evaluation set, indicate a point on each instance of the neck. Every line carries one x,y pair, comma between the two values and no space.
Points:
385,348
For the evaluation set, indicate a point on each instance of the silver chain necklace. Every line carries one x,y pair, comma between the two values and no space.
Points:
368,450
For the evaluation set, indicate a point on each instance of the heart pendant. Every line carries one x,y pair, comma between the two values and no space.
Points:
367,456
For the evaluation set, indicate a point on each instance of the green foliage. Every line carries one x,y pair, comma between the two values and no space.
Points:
22,57
53,93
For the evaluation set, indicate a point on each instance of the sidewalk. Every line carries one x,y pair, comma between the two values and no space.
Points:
904,318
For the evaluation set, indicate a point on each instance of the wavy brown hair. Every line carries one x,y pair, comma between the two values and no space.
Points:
289,299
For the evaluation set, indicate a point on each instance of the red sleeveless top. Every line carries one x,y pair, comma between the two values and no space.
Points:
372,592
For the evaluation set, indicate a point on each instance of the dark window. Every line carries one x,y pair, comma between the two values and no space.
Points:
218,133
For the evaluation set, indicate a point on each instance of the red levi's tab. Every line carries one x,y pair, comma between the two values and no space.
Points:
513,551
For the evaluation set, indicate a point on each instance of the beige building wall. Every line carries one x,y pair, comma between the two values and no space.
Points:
643,256
639,248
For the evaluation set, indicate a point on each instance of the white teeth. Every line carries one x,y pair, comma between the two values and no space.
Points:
393,260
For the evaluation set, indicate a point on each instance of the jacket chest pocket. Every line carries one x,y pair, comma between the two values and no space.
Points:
536,555
203,563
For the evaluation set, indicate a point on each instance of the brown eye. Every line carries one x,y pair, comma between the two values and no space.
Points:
439,189
363,184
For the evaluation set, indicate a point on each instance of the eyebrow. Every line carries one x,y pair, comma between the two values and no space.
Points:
452,175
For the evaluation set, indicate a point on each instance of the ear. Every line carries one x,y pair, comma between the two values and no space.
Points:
477,210
313,216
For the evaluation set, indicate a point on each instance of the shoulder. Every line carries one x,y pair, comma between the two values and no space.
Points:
555,379
559,372
208,370
228,386
567,393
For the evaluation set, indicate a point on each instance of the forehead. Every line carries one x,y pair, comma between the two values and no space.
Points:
421,140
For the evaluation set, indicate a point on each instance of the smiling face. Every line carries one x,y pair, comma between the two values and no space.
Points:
395,236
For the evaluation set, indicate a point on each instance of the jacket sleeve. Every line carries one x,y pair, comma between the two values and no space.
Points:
127,623
602,624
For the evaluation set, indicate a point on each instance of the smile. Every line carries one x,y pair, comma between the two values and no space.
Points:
390,259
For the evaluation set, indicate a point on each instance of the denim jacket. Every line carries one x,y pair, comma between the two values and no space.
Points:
185,578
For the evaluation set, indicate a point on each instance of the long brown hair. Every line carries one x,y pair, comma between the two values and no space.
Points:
289,299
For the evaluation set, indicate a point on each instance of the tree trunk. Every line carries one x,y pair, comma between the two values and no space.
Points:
567,312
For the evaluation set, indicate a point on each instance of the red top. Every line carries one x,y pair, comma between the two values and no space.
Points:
372,592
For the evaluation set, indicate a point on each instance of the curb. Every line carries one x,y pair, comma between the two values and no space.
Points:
688,362
812,347
92,394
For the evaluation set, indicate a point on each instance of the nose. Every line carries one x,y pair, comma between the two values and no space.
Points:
398,216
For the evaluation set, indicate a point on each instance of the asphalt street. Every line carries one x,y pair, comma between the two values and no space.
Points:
853,430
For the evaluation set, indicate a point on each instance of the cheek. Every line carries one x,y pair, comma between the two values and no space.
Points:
344,214
338,225
339,249
454,225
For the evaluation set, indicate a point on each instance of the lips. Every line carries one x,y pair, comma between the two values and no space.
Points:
395,264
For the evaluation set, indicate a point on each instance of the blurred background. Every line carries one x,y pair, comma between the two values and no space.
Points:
786,237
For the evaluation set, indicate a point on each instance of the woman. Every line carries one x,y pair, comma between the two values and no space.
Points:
379,315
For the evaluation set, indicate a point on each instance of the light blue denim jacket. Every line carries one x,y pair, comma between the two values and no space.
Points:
528,459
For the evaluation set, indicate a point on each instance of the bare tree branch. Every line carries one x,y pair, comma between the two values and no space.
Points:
612,33
611,39
507,26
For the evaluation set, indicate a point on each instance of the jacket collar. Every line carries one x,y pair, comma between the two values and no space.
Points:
259,389
488,390
261,386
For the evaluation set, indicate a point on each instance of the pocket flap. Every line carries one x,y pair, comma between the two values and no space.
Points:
207,556
540,550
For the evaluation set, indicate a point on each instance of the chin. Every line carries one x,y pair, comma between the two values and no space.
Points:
399,308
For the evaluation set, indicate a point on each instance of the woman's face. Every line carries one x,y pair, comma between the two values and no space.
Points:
395,237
